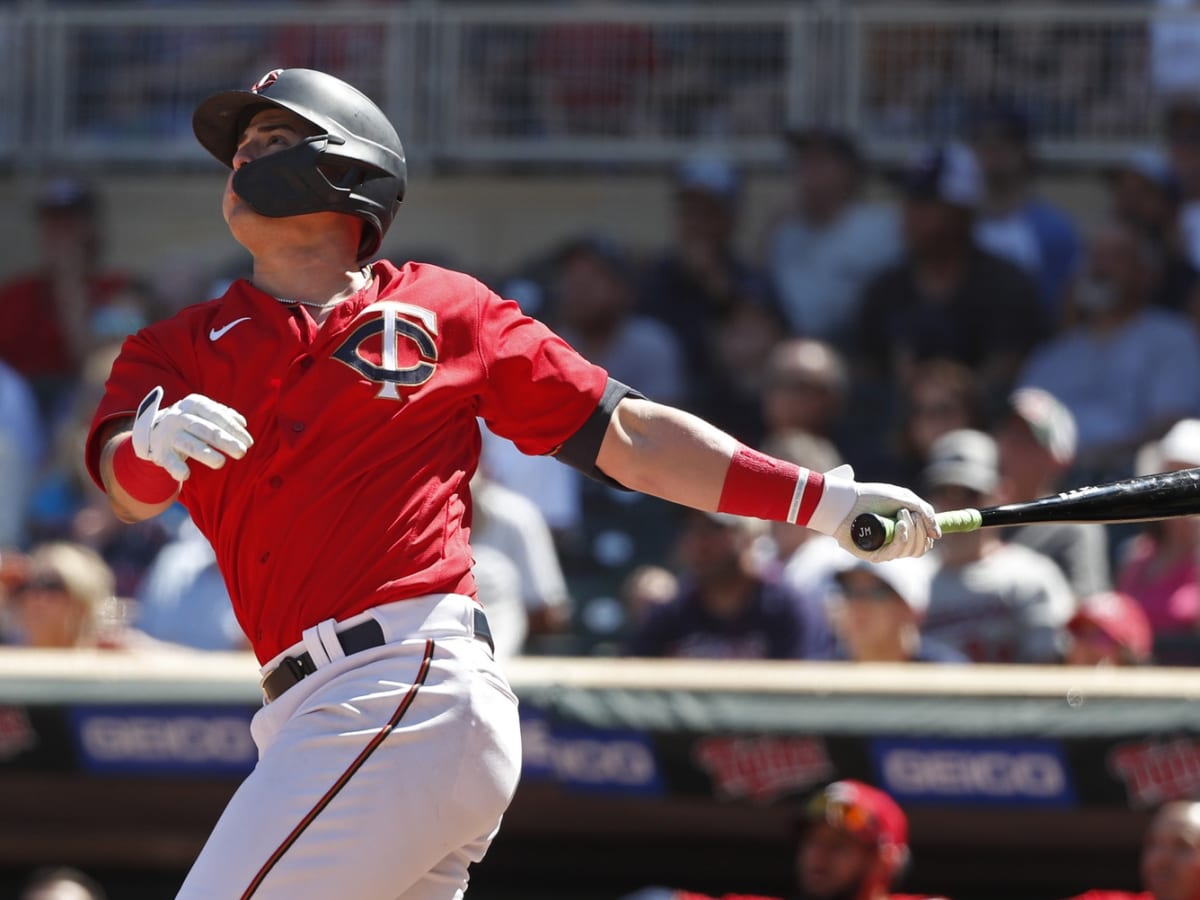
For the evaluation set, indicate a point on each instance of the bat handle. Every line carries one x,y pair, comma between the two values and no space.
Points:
870,531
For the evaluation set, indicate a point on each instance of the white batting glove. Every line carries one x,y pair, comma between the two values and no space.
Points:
194,428
916,526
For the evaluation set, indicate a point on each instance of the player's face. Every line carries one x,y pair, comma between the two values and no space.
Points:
269,131
710,551
831,863
1022,458
870,616
1171,854
47,614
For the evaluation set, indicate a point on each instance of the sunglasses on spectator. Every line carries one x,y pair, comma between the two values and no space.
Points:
877,592
44,582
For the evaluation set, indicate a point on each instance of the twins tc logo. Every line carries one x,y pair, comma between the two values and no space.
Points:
266,81
395,348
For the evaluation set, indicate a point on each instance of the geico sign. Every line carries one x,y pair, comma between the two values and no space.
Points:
586,760
954,773
185,739
589,761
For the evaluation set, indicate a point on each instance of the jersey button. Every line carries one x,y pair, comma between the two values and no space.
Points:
275,481
297,427
264,557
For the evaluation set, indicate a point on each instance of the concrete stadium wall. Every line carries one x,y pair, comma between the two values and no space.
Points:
163,223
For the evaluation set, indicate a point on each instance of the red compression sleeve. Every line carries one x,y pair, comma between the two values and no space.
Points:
142,480
767,488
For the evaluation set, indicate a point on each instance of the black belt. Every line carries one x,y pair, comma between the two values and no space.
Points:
360,637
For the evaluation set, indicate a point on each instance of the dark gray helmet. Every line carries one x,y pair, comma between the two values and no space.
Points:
354,165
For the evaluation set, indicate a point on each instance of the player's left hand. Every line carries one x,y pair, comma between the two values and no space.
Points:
916,526
197,427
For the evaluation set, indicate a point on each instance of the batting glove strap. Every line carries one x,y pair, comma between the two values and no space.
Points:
838,496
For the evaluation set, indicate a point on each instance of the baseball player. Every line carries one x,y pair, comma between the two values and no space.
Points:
852,845
319,422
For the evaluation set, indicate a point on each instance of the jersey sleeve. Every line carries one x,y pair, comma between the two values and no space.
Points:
538,390
143,363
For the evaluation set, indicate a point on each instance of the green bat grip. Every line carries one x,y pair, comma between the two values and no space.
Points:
871,531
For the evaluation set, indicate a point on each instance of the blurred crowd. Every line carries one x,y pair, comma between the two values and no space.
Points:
944,326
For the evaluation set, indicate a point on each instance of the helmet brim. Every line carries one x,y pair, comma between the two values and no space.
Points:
219,120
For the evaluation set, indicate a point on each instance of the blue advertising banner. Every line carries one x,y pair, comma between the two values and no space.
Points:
934,771
154,740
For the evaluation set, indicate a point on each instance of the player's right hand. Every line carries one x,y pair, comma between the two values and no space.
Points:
916,525
196,427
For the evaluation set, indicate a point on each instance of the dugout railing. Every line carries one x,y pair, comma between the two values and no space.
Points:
1020,781
610,85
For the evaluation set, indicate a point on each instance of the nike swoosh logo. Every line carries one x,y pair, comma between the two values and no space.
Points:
215,333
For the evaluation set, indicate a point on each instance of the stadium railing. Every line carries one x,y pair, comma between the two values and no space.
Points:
608,85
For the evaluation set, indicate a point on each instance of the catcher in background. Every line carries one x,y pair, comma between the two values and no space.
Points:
853,845
319,422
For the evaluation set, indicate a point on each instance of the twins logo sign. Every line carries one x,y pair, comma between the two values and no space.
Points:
395,348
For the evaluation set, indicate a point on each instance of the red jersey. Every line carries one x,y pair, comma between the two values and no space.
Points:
355,492
1113,895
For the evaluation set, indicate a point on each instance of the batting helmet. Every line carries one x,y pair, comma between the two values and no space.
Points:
355,164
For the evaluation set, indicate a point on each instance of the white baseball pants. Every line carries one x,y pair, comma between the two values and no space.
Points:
381,776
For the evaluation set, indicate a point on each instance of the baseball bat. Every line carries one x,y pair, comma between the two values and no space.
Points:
1142,499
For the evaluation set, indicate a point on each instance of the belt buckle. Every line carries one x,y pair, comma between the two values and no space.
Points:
295,665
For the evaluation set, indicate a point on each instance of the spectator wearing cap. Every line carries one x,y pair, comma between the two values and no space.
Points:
1109,629
993,601
1145,194
721,308
829,242
57,313
948,297
1014,222
852,844
1036,442
1126,371
726,607
1170,858
877,613
1160,566
61,602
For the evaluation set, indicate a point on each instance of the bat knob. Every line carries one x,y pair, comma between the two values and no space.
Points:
870,532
